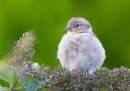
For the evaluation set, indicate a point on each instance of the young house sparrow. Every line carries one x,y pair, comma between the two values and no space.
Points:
80,49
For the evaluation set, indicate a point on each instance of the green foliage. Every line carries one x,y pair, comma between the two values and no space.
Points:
33,86
57,79
6,73
3,88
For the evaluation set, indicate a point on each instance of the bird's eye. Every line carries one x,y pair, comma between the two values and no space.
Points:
77,25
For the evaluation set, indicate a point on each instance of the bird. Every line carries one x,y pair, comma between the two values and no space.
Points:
80,49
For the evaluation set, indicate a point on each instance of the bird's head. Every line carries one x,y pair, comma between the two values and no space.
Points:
78,25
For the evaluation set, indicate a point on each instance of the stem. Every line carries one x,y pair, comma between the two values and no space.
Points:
15,83
14,89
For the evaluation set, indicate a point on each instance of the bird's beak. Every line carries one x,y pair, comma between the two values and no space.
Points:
68,28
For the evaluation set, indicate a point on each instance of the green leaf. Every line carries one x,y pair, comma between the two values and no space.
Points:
5,73
33,86
3,88
85,86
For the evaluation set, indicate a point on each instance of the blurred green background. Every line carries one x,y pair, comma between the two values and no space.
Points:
110,20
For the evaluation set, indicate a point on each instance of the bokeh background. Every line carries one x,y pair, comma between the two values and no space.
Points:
110,20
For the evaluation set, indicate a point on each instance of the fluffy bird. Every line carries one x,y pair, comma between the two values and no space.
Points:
80,49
